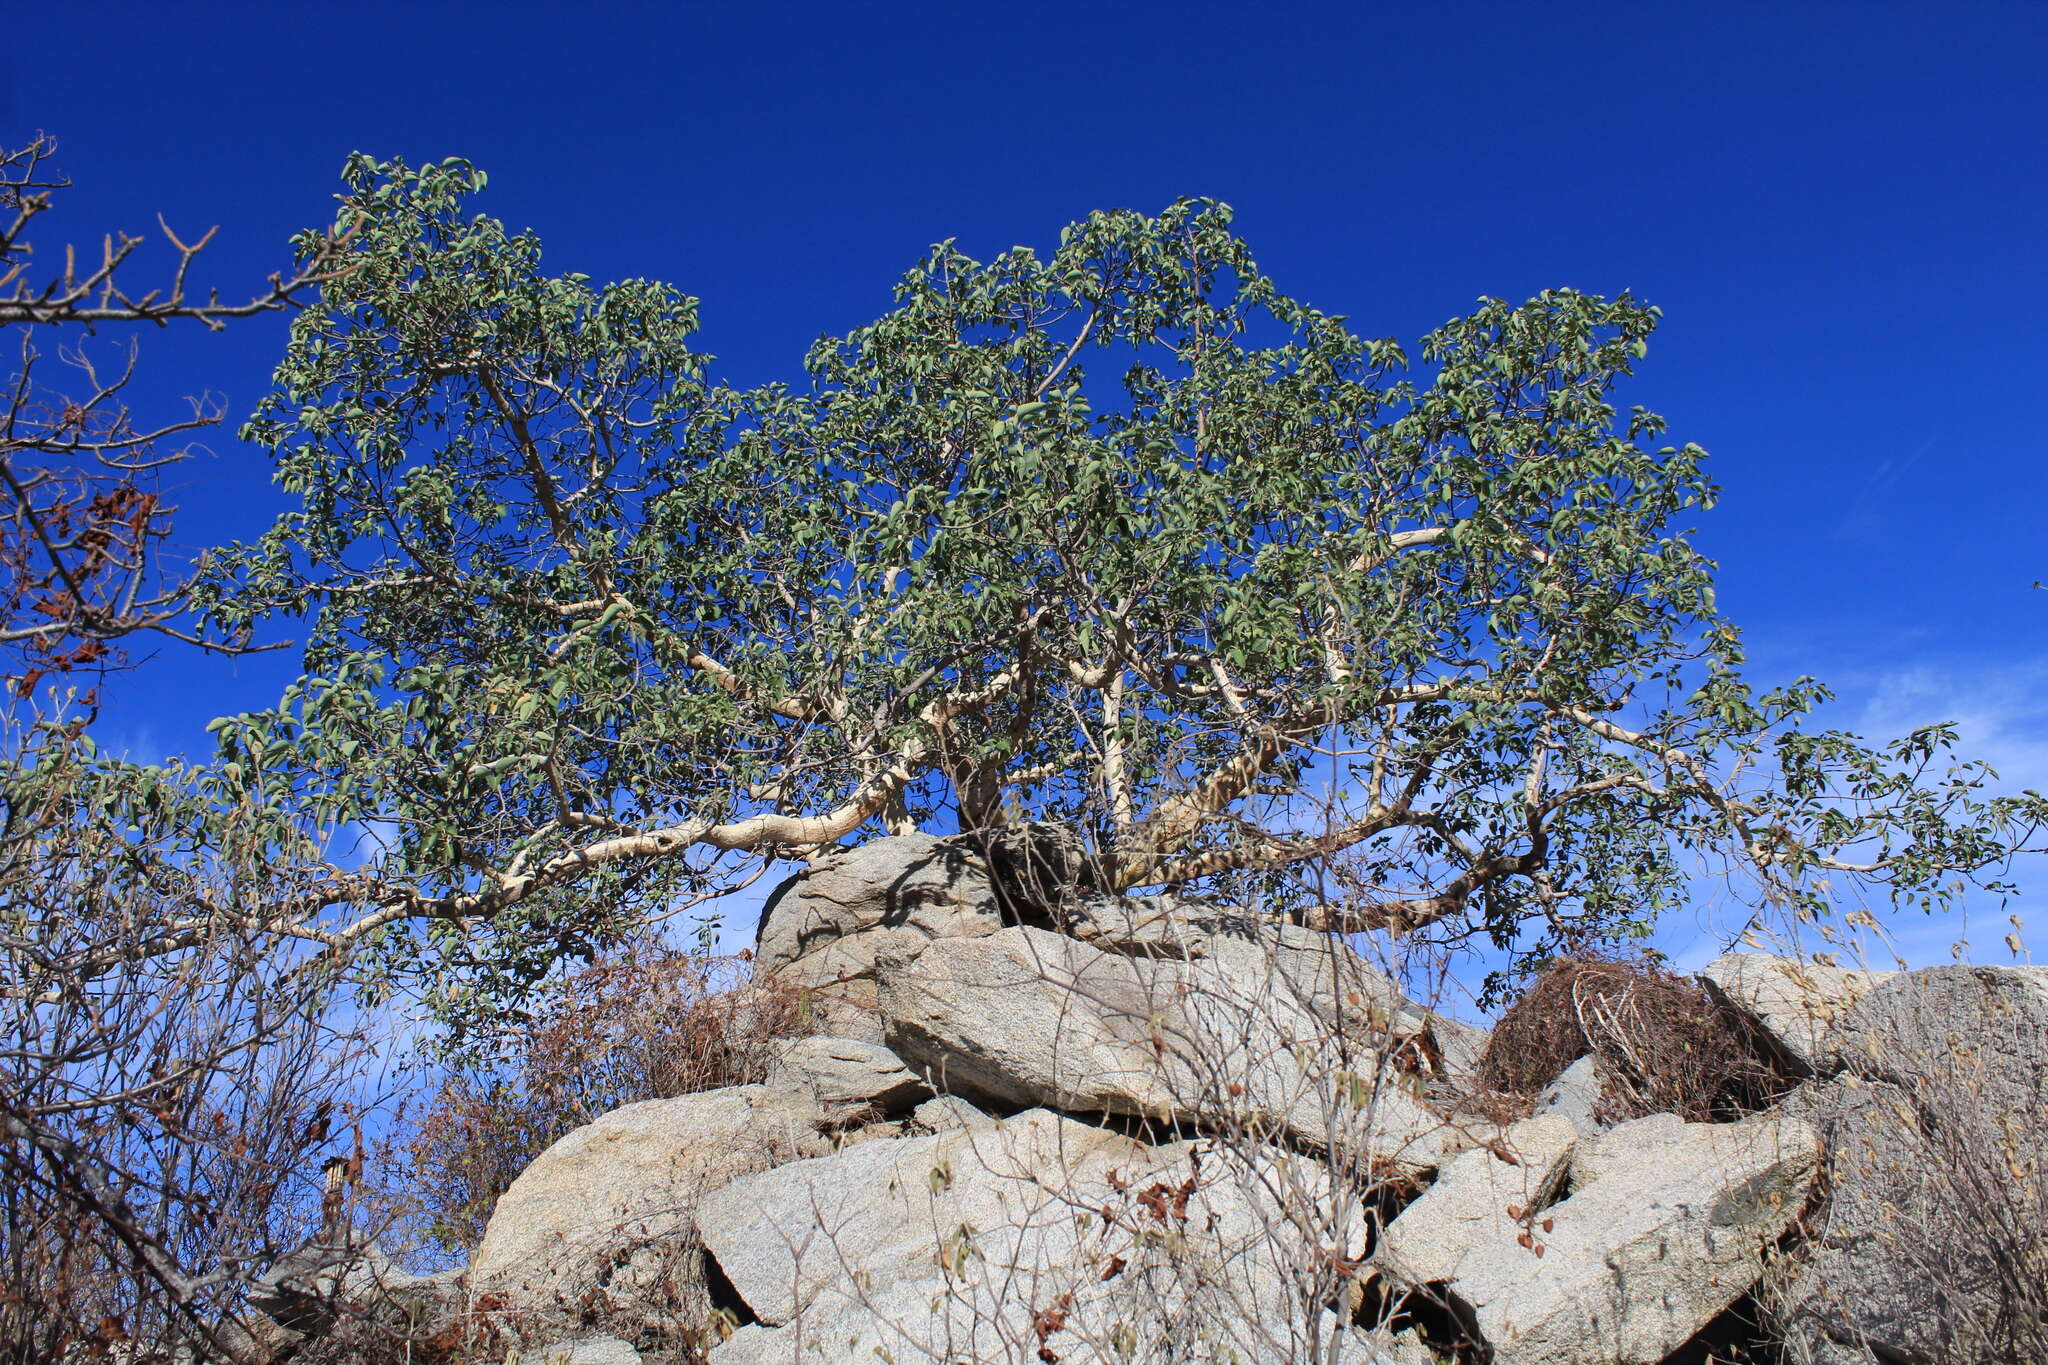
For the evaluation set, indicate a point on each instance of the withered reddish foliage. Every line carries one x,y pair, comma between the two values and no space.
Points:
84,529
1663,1043
645,1023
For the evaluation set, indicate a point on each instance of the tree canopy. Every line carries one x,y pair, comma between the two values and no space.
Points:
1119,537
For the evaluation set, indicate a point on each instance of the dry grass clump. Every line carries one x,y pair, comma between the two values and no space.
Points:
1664,1045
645,1023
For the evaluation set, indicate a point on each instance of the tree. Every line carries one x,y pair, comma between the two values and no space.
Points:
1120,538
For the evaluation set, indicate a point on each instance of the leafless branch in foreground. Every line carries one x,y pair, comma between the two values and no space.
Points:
162,1124
83,522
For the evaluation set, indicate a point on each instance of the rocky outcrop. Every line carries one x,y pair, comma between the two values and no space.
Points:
1575,1096
846,1071
1100,1247
1320,972
1983,1027
783,1238
823,929
1795,1003
1223,1040
1035,1123
601,1224
944,1112
1667,1223
1935,1134
1480,1198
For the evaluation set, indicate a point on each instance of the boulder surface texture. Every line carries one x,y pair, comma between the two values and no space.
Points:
1092,1245
605,1215
823,929
1796,1003
1932,1246
1666,1225
1226,1040
1479,1198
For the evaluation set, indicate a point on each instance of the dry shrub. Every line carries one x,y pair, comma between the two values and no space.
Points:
1987,1208
644,1023
1934,1238
168,1095
1664,1045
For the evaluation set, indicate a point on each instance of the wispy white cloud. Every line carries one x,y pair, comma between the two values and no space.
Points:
2000,712
1870,508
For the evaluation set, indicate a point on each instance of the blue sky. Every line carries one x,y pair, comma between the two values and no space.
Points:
1839,208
